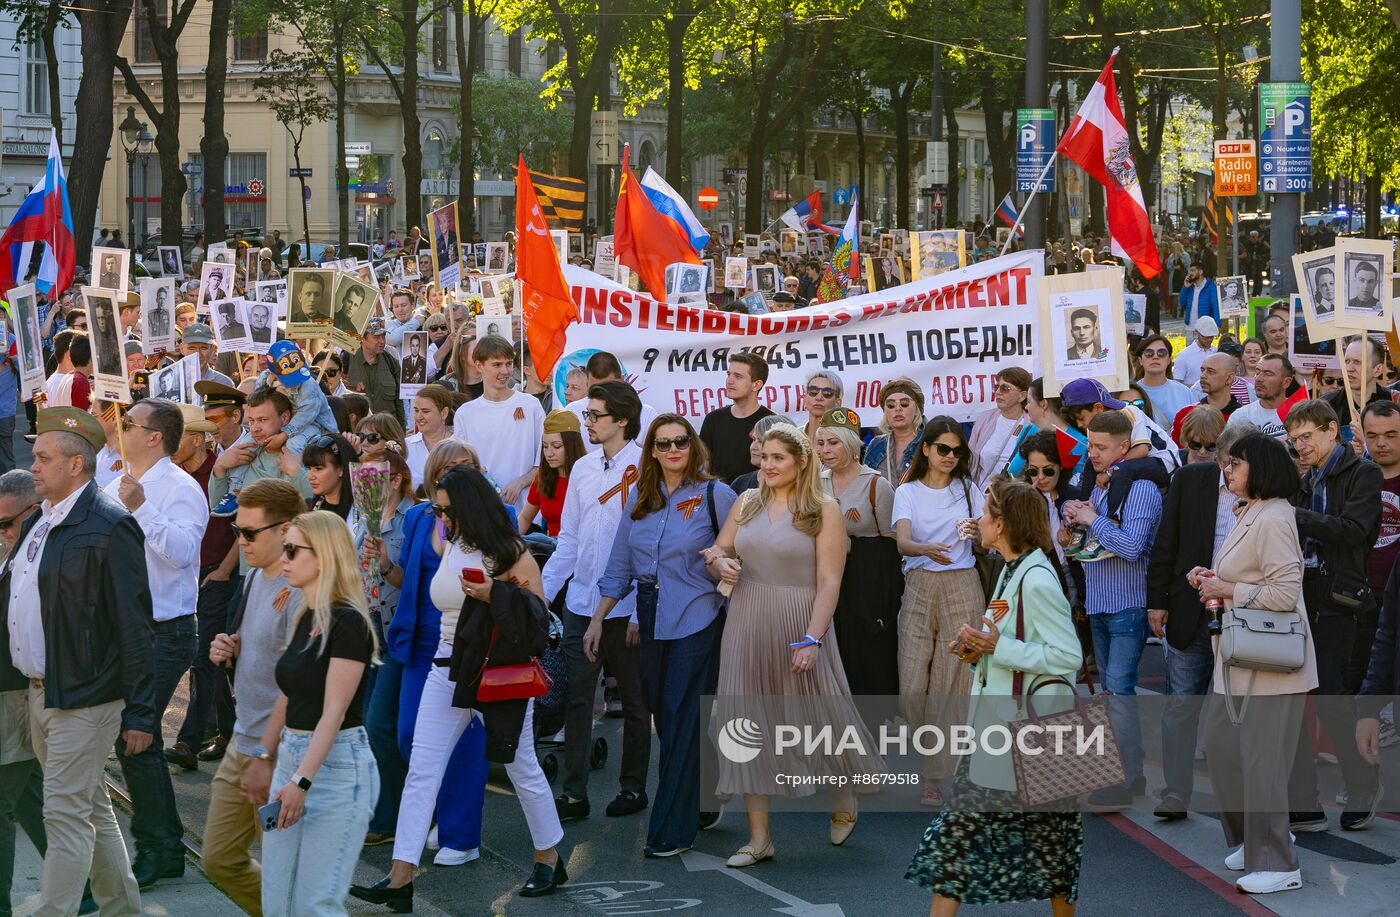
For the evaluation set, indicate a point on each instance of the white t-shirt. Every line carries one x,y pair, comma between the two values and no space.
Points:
996,452
1266,419
933,516
1186,368
417,456
505,434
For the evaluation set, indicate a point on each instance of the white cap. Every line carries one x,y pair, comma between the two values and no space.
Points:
1207,326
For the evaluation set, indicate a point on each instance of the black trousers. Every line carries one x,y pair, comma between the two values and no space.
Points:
211,695
582,679
1333,637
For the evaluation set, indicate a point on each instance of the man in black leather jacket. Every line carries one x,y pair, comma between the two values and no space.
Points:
78,612
1339,518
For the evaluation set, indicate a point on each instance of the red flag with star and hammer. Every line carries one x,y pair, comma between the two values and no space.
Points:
547,308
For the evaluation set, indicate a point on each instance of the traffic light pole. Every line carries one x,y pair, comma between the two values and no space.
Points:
1285,64
1037,96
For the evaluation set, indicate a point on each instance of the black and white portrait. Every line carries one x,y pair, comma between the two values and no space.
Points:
215,283
230,324
167,383
1363,282
415,358
106,341
496,253
111,268
1234,296
353,301
765,279
262,325
171,263
157,312
308,298
685,283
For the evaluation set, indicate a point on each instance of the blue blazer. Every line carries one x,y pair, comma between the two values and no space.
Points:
1208,300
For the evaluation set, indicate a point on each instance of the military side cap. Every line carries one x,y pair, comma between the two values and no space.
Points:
198,333
71,420
841,418
218,395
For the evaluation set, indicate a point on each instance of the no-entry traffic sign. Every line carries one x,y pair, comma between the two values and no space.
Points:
1236,170
708,198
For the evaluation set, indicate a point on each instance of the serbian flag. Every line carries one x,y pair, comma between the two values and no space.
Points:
547,308
644,239
805,214
1300,394
44,216
672,206
1007,213
1097,140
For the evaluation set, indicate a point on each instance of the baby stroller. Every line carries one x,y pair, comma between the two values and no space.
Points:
549,710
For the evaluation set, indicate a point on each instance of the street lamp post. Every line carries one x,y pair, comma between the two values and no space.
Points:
133,134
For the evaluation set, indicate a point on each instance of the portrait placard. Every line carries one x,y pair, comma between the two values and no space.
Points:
24,313
157,313
442,236
110,269
109,363
1082,331
1362,265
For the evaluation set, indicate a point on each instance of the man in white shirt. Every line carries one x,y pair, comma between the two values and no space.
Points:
1187,367
78,626
604,367
172,511
598,489
503,425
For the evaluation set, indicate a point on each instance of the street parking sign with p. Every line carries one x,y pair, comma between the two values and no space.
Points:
1285,137
1035,146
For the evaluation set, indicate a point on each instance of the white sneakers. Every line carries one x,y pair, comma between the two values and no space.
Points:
449,857
1235,861
1262,883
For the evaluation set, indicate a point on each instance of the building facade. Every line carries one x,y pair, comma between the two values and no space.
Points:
26,109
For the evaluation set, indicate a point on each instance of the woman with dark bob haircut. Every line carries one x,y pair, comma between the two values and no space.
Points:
1251,735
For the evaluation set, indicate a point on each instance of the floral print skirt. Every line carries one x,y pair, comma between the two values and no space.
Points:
982,849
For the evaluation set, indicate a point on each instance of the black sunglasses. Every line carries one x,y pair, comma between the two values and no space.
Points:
439,510
9,523
249,534
1200,447
1049,471
371,438
291,550
946,450
1156,352
680,443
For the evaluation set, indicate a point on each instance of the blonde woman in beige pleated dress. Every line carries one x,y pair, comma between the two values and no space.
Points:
783,549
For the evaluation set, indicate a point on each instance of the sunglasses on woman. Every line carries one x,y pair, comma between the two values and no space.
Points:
946,450
370,439
1049,471
1156,352
1200,447
679,443
290,550
439,510
814,390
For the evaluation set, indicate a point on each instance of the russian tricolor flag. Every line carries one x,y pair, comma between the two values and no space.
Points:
44,216
672,206
1006,212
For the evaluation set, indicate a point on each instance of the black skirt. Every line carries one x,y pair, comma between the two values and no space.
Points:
866,615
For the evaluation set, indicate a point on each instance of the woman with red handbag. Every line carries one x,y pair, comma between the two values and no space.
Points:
490,629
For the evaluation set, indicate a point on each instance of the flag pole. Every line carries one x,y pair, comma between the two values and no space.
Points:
1026,206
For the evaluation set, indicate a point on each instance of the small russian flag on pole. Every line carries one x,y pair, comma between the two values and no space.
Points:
1007,213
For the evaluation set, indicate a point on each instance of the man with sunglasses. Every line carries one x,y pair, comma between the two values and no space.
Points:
84,642
173,513
247,648
219,581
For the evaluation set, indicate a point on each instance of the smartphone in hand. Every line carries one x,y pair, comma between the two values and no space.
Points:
268,814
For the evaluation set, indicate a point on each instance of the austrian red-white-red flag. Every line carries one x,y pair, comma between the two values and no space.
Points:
1097,140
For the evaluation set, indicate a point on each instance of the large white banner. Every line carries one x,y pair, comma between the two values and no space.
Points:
951,333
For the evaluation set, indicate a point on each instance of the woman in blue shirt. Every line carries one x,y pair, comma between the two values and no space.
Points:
671,517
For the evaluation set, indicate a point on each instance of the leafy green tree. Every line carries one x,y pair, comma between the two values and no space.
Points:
510,118
289,86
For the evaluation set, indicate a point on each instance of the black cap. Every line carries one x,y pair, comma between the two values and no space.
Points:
784,296
218,395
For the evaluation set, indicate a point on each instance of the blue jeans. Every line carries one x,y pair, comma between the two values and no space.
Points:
210,692
1118,642
306,869
155,823
674,675
1189,674
463,792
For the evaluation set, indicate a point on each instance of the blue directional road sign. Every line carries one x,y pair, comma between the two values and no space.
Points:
1035,145
1285,138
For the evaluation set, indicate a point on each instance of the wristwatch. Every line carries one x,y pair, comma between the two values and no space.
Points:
302,782
263,754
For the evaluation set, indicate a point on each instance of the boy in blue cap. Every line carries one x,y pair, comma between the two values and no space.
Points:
311,416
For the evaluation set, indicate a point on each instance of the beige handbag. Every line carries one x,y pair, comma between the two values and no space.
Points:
1261,641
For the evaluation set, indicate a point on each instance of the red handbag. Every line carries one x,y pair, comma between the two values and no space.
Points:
513,682
519,681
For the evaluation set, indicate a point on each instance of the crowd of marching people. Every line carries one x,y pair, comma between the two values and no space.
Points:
354,670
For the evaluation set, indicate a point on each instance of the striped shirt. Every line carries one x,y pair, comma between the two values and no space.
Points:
1117,583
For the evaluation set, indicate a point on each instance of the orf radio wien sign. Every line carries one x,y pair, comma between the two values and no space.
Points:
1236,169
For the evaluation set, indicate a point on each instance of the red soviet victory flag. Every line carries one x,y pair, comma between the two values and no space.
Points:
643,239
547,308
1097,139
